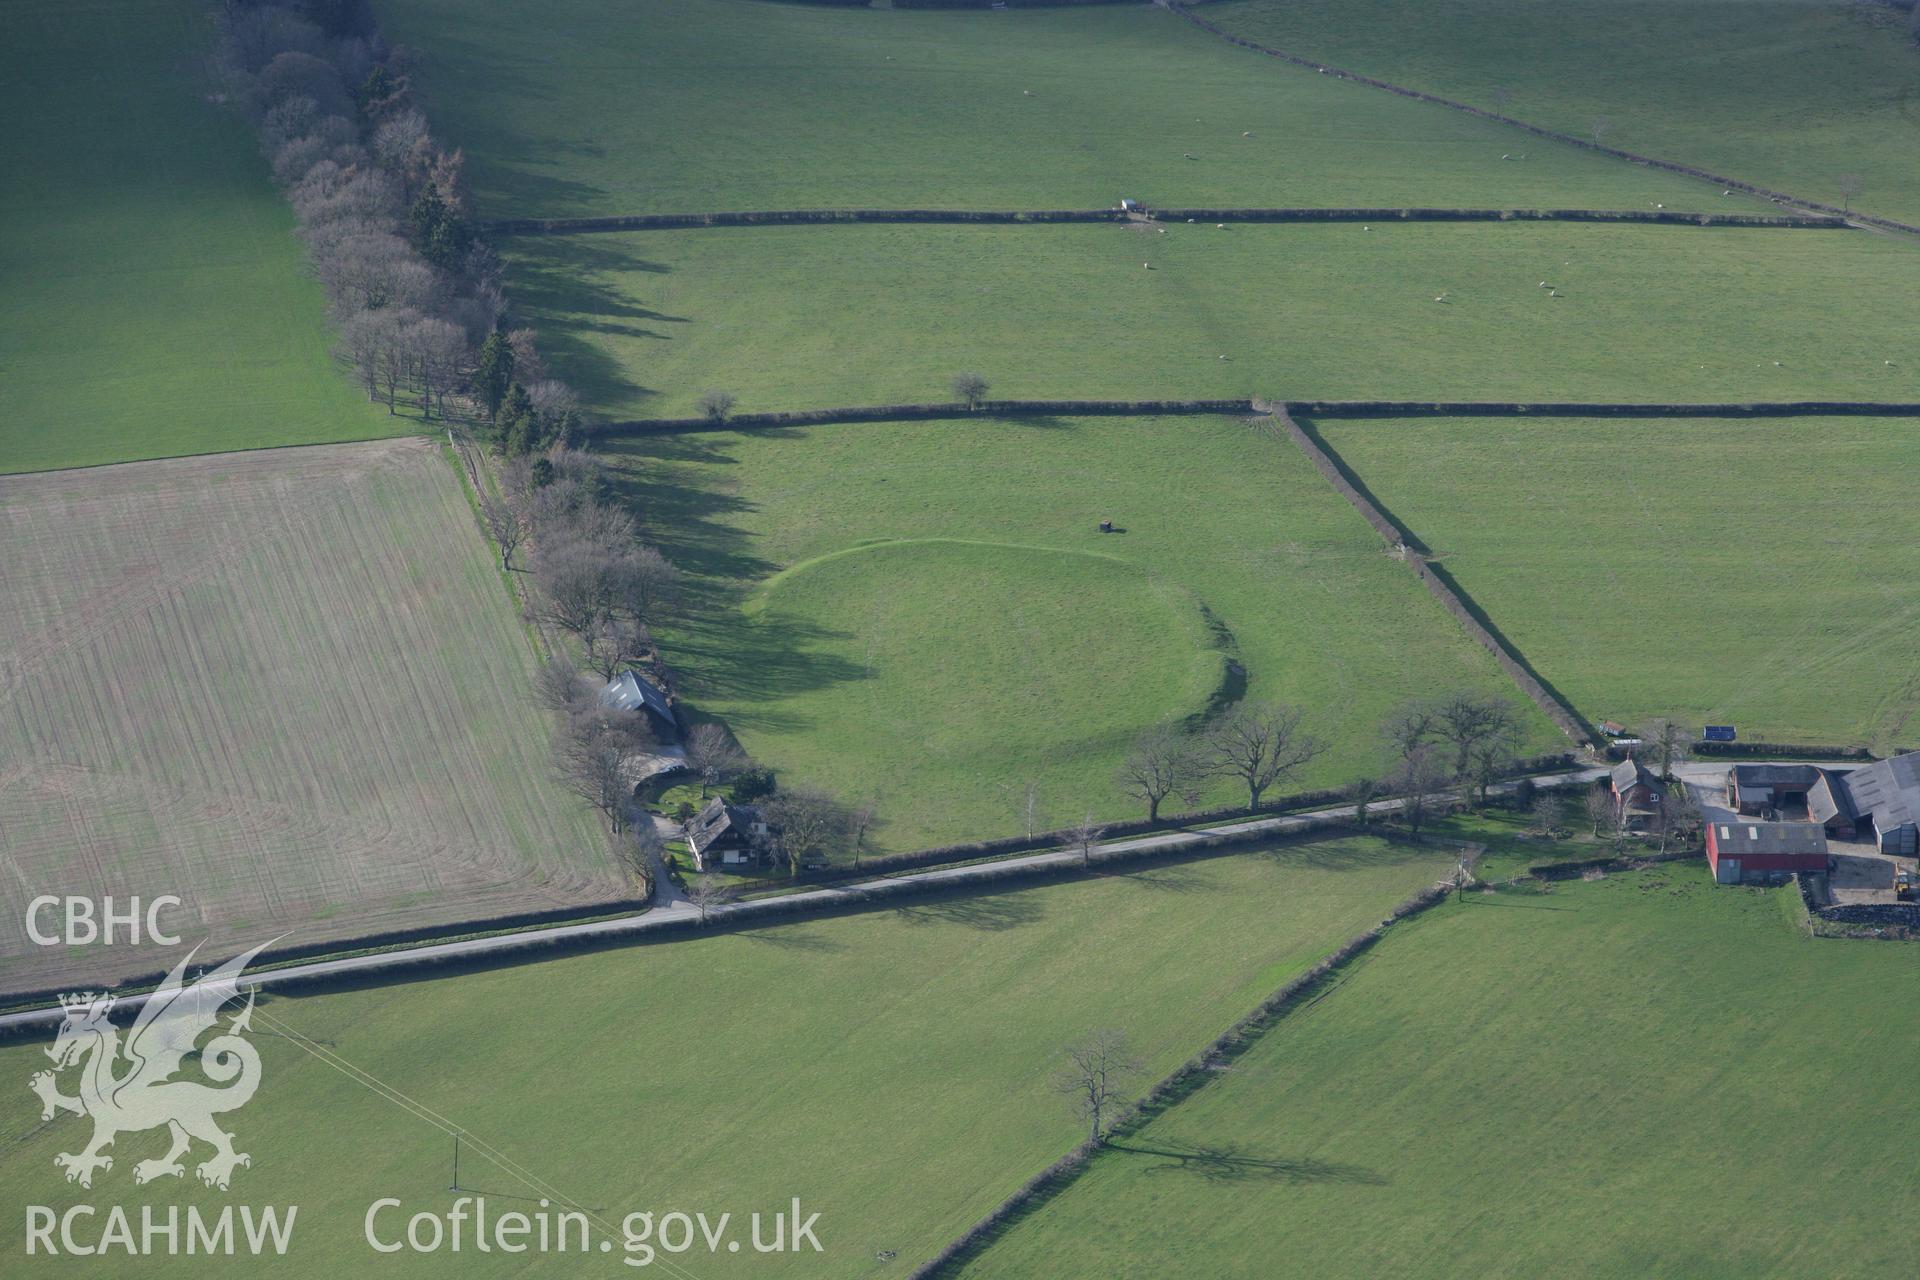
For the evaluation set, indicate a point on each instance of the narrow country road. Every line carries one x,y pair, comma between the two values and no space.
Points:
673,911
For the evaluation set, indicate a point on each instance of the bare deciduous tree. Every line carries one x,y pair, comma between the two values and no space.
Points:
1668,744
1420,781
713,756
1680,815
1472,722
1262,746
1601,127
558,687
971,388
805,822
1600,807
859,824
1547,816
591,759
1097,1075
707,892
1410,726
613,642
1083,838
504,526
1850,185
717,405
647,586
1492,759
1161,763
642,850
1362,792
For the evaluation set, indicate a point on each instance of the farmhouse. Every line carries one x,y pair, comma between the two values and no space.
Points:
1636,790
631,691
1739,850
726,835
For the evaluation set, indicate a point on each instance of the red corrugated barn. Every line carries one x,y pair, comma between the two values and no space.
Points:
1743,850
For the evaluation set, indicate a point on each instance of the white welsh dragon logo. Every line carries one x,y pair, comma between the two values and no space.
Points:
144,1094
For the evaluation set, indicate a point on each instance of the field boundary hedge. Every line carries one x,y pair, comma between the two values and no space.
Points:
1778,751
924,412
1306,408
1195,823
929,859
826,901
1439,585
1538,131
1038,217
1223,1049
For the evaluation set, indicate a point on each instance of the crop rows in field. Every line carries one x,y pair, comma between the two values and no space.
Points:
286,686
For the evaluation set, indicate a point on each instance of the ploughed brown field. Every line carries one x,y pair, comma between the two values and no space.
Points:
287,686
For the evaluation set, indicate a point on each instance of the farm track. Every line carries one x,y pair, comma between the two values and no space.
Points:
1538,131
1042,217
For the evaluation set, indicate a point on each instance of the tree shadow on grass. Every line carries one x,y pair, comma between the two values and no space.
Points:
1229,1162
1342,854
1170,879
791,939
674,486
574,288
989,915
1507,896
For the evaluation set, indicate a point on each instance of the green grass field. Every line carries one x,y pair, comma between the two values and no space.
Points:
1645,1076
1790,94
157,303
926,615
893,1070
286,686
802,317
1736,573
689,105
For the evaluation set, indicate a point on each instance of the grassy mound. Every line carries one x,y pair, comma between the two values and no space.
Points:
969,660
1591,1083
1297,588
156,300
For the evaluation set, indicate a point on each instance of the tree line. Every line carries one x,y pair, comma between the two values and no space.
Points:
415,293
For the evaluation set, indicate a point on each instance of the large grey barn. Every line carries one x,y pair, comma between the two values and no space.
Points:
1882,799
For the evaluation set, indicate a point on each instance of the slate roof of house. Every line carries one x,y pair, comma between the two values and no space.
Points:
1630,773
1775,775
630,692
1738,837
1889,790
715,821
1827,799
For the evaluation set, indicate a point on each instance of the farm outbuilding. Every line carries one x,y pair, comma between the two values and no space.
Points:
1880,802
1886,795
1790,790
631,691
1739,850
